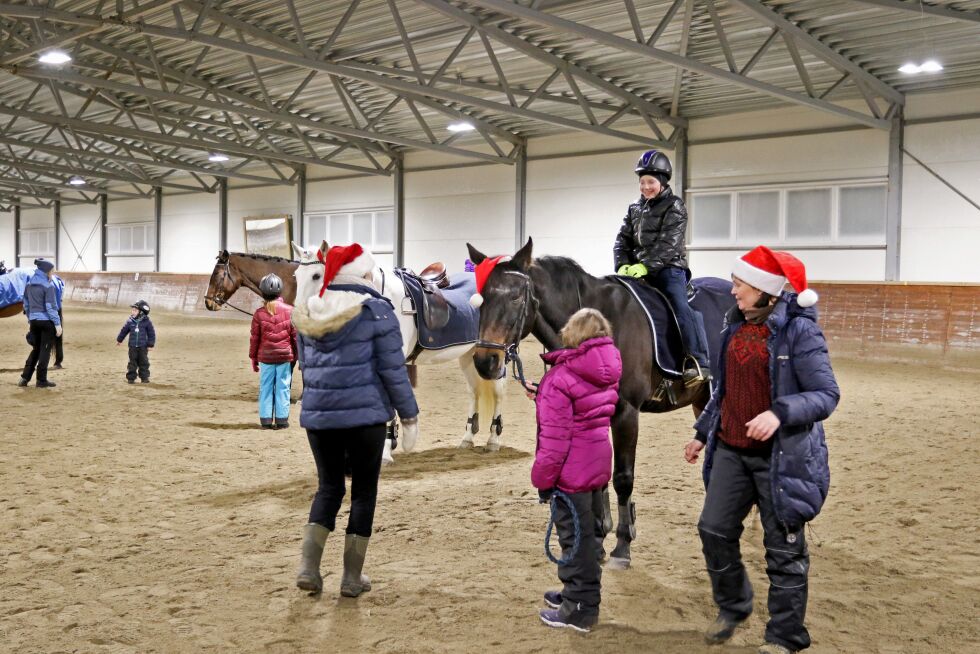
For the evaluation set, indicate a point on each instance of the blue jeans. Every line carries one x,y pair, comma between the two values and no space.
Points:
274,382
672,282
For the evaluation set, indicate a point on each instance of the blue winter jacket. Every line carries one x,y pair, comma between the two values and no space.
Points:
141,332
354,371
41,298
804,393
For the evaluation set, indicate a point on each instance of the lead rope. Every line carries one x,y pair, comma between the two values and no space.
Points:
577,527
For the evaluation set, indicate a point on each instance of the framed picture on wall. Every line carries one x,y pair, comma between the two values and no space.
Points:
269,235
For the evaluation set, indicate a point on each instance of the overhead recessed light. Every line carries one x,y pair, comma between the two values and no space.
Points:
460,126
217,157
930,66
909,68
55,57
75,180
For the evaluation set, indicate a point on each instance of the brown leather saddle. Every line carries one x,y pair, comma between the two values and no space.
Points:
435,307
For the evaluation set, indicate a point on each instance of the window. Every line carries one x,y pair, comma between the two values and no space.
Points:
372,228
37,242
131,239
799,215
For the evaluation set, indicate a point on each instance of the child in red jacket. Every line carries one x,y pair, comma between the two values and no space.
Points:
272,351
575,403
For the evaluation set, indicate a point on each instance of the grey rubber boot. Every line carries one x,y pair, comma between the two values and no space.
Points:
314,538
353,582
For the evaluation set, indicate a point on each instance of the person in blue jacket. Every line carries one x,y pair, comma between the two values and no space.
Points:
41,307
59,345
765,445
142,339
354,379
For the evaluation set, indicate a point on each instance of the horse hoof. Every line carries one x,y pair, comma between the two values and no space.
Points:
387,461
465,445
492,446
617,563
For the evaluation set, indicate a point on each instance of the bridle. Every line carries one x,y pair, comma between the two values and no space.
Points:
512,350
219,297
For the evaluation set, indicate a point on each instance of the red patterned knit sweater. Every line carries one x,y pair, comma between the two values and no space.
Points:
746,385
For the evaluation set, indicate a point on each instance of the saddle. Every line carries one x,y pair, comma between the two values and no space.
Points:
432,279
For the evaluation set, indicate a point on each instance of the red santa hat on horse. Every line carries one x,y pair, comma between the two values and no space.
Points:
341,260
769,270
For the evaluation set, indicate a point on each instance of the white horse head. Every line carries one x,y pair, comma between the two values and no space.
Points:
309,273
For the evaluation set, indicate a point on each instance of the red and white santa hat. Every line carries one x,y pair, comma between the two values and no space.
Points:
350,259
769,270
482,272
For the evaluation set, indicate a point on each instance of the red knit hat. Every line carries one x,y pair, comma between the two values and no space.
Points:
347,259
769,270
482,272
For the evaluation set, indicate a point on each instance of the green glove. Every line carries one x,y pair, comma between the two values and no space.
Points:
623,269
637,270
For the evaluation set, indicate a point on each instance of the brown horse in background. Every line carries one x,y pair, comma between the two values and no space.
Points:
236,269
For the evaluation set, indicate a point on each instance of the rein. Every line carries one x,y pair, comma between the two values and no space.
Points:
221,301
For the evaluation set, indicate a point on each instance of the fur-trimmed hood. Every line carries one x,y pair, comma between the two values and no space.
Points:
320,316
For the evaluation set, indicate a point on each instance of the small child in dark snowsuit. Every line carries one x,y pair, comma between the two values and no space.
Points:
142,338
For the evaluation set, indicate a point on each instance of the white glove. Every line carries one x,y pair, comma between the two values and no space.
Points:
58,330
410,433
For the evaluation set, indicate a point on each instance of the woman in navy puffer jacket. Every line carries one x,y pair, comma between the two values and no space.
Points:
354,379
765,445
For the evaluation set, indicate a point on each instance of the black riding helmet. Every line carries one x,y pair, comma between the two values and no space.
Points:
142,306
270,286
656,163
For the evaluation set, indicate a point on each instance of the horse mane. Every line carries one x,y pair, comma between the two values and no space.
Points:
565,271
260,257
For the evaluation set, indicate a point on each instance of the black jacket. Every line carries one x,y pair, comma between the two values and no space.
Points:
653,233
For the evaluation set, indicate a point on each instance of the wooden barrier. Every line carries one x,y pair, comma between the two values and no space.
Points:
877,320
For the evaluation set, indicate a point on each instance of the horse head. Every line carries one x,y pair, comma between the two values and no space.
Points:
508,311
309,273
223,283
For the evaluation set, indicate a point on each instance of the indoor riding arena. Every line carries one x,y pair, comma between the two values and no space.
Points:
166,161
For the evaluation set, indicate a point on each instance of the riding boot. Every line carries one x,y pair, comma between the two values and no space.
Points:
314,538
353,582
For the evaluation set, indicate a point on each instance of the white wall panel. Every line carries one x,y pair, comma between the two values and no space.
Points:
80,242
189,233
7,242
444,209
130,211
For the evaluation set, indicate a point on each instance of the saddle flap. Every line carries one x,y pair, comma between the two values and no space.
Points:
435,309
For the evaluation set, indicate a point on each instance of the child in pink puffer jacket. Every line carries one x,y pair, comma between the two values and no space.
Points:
575,402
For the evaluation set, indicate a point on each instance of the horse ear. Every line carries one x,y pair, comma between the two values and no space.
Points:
297,249
522,258
476,256
223,255
323,249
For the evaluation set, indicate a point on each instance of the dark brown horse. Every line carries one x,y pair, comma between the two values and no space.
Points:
524,296
236,269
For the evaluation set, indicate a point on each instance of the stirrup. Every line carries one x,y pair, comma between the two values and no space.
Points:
700,375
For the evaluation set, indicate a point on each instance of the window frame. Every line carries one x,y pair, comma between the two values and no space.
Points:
149,232
327,214
25,236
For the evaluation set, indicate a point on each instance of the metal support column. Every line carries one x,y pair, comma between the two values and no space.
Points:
104,222
223,213
399,210
520,209
893,214
299,229
683,179
57,232
17,235
157,219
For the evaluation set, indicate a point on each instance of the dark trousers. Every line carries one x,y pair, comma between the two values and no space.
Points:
738,480
362,448
59,346
672,282
582,575
139,360
42,335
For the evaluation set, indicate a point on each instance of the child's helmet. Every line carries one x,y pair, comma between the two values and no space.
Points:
270,286
654,162
141,306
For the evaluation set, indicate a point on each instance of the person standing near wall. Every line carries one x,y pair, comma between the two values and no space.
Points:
272,349
354,379
41,307
651,246
59,346
765,445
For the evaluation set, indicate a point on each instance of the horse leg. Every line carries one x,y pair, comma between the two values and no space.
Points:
473,379
625,429
497,424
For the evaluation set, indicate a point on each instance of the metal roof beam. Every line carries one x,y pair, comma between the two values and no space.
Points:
925,8
54,170
672,59
28,186
819,48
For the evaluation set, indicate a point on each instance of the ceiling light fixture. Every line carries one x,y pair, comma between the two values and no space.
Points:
217,157
928,66
460,126
55,57
75,180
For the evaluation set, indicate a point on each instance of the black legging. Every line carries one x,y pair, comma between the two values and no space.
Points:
43,335
363,447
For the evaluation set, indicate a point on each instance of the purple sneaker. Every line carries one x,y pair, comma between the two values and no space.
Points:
580,623
553,598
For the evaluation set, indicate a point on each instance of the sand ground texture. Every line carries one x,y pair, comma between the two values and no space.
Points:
159,518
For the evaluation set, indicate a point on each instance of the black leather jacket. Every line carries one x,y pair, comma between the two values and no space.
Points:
653,233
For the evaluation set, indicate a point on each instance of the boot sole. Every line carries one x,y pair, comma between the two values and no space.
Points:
565,625
354,591
306,583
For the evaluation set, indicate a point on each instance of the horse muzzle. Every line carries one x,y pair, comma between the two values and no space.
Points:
489,362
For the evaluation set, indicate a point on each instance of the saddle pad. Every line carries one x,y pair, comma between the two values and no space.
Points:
464,319
712,299
12,285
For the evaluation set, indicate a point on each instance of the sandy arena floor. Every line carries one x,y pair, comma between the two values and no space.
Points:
160,518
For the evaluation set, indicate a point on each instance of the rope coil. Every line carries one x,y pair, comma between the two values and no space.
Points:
557,495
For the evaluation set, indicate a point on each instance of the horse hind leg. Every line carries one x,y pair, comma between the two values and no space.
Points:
473,421
625,430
